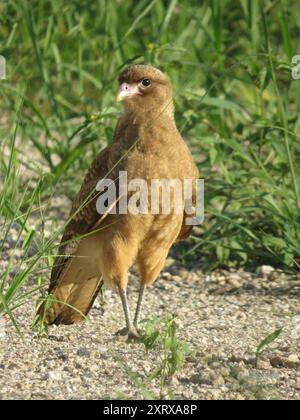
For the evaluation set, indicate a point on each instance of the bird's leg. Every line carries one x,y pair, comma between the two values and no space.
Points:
130,329
139,307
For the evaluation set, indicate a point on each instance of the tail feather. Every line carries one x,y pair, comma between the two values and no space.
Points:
73,295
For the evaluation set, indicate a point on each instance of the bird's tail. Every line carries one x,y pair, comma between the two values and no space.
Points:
72,296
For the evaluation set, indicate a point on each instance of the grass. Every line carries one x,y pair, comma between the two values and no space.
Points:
236,105
159,335
265,343
162,334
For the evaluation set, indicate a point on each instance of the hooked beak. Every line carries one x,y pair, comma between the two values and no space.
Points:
127,90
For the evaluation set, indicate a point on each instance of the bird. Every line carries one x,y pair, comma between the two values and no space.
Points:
99,249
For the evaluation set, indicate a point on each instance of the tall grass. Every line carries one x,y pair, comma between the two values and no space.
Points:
236,105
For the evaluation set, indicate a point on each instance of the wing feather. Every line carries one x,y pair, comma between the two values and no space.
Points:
83,215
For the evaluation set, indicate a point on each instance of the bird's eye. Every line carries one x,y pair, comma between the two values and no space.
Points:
146,82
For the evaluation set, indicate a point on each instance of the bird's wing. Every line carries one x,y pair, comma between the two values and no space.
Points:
76,277
83,215
186,229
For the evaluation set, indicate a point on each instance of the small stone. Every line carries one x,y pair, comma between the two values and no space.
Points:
61,355
235,281
183,272
224,371
83,352
55,375
242,375
105,356
293,358
169,261
263,364
289,362
241,316
174,381
221,280
206,378
266,270
218,380
214,365
292,361
276,361
296,310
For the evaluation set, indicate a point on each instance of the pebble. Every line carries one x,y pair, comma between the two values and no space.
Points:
225,372
89,362
242,375
55,375
263,364
84,352
176,278
292,361
266,270
235,281
218,380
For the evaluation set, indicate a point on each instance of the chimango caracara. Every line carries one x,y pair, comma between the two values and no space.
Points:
97,248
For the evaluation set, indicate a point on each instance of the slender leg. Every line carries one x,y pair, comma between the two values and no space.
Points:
130,328
139,307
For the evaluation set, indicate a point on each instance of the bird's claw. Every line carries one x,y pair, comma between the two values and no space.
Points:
131,333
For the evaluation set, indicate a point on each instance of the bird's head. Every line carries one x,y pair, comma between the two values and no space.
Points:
145,89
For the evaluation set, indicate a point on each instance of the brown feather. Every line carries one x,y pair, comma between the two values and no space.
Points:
148,146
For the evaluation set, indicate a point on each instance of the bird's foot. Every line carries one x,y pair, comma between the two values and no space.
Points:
131,333
122,331
137,328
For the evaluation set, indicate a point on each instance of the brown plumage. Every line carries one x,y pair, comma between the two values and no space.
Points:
97,248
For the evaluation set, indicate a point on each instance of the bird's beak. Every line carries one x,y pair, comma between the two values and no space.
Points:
127,90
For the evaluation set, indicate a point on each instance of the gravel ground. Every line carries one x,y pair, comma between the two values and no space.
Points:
223,317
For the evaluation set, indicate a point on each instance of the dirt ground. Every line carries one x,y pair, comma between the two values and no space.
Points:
222,316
